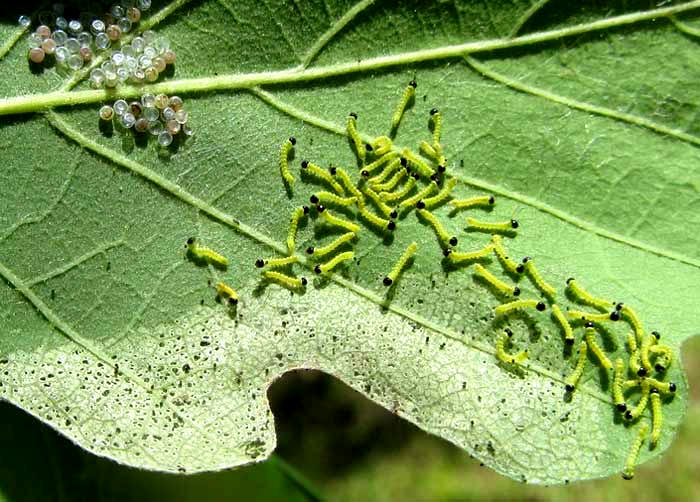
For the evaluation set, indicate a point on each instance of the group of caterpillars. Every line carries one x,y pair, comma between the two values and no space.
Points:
389,181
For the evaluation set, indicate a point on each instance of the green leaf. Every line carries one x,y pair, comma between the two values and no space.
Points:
582,127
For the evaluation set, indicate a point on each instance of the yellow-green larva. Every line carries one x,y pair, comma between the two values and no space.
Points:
636,412
339,222
227,293
381,145
445,238
577,315
480,201
376,221
350,186
333,262
285,280
595,348
457,257
297,215
381,205
618,396
408,94
665,387
508,264
572,379
391,182
631,317
329,248
415,161
496,283
426,191
584,297
632,342
504,356
332,199
400,264
386,172
437,128
532,272
664,357
276,262
565,326
320,173
503,227
635,365
519,305
355,137
373,166
440,197
657,418
400,193
206,254
631,462
284,162
647,341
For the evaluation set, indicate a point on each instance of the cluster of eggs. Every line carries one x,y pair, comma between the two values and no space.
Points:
74,42
162,116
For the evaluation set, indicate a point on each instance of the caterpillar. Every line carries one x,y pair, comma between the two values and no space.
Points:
480,201
642,431
378,222
276,262
331,198
631,317
635,412
408,94
456,257
531,270
657,418
664,357
297,215
320,173
499,285
636,366
632,342
400,264
355,137
387,171
437,128
665,387
333,262
618,396
359,198
284,164
578,315
412,201
595,348
228,293
381,205
324,250
508,264
400,193
417,162
391,182
573,378
441,196
339,222
439,230
381,145
501,353
373,166
505,227
644,351
519,304
582,296
565,326
206,254
285,280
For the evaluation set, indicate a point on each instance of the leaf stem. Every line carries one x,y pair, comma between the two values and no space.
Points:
33,103
299,480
